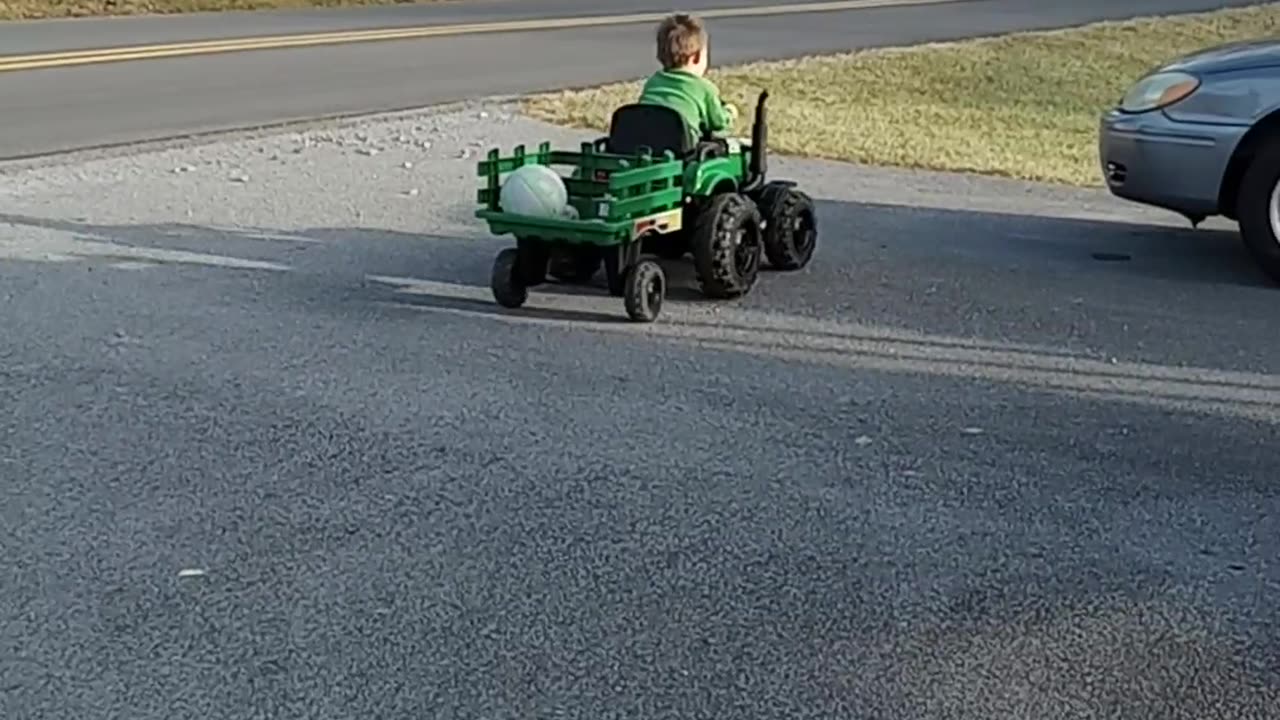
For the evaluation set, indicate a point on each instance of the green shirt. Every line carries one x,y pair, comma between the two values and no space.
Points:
695,98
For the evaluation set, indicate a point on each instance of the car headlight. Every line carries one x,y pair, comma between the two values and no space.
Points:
1157,91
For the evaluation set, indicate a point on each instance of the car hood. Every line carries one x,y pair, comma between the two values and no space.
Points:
1230,57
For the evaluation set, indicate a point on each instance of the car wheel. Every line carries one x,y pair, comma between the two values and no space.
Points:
1258,209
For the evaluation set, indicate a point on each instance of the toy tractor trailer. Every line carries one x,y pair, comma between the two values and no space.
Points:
649,187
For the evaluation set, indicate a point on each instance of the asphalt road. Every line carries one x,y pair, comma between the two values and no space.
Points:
56,109
269,450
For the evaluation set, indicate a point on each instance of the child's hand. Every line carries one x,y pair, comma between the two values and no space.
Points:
732,111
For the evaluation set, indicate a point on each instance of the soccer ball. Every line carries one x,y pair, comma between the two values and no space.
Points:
535,190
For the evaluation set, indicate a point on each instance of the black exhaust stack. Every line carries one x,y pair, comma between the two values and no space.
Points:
758,164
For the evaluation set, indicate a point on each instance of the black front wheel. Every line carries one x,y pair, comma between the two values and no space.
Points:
645,290
508,290
791,226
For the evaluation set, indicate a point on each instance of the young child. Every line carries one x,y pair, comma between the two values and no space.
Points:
681,84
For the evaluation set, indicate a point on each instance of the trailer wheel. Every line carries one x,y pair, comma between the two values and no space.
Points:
645,290
726,243
791,226
508,289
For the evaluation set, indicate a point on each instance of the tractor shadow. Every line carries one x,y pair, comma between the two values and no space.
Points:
410,296
322,267
682,283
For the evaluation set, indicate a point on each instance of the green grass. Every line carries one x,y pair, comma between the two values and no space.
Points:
1023,105
39,9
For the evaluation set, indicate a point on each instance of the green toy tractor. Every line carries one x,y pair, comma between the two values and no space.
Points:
649,188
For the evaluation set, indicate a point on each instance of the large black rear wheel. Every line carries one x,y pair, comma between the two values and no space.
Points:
727,245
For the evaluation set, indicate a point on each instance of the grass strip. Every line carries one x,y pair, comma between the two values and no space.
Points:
1024,105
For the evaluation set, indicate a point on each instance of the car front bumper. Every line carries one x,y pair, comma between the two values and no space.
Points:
1155,160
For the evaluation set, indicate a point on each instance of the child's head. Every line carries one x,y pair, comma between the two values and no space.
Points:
682,44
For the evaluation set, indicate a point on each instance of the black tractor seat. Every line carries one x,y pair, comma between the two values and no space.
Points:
660,129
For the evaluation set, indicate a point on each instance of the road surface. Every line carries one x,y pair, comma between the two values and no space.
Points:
57,109
269,450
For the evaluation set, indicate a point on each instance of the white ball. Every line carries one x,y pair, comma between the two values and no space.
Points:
534,190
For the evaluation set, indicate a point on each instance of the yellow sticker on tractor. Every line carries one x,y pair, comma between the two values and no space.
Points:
662,223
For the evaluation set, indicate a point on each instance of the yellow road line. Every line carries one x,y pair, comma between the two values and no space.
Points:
207,47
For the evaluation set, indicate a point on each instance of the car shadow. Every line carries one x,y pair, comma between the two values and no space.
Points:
1044,243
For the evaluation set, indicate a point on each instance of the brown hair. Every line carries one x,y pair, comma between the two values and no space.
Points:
680,38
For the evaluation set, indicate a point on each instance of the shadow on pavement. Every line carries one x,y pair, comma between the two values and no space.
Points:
1043,243
1038,243
881,270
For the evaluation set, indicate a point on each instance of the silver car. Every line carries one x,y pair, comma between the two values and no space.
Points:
1201,136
